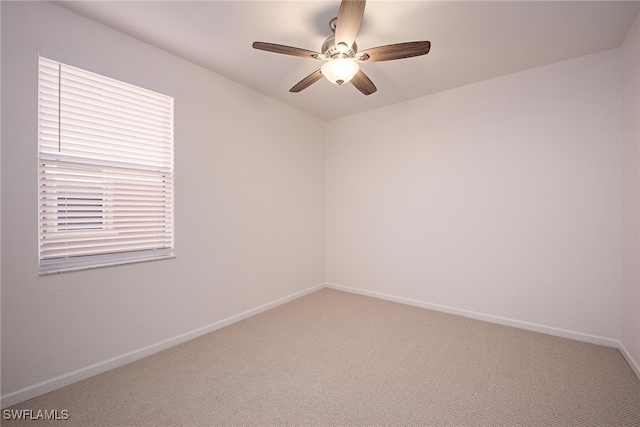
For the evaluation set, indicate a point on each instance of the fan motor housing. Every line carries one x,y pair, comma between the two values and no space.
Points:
330,49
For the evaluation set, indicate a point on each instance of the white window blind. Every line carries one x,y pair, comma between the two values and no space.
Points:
105,154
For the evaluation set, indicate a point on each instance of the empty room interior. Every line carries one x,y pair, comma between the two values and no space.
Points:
333,246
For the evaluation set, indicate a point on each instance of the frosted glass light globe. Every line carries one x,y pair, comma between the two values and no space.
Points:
340,70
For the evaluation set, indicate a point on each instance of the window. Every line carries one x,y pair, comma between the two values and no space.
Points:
105,174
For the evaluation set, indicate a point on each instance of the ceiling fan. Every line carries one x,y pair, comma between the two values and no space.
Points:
340,51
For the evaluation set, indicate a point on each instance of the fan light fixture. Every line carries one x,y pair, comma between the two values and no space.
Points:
340,70
340,51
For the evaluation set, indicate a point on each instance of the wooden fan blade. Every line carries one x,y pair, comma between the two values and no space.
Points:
363,83
285,50
307,81
394,51
349,20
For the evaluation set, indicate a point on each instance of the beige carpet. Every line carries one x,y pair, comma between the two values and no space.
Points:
338,359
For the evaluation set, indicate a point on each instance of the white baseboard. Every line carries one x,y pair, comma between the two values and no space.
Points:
98,368
635,366
485,317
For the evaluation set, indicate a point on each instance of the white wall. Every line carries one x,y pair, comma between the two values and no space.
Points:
630,313
249,209
500,198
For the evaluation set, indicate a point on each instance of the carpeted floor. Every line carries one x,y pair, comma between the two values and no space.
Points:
337,359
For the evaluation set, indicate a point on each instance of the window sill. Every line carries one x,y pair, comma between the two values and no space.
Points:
104,265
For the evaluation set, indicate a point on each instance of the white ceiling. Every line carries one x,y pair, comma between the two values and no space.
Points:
470,41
